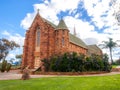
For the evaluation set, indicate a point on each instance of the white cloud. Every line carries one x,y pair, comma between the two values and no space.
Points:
96,9
83,28
14,37
90,41
27,21
77,15
99,10
50,10
18,39
63,5
6,33
12,54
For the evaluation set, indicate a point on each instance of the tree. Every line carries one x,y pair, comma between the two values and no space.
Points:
5,47
19,57
110,45
5,66
115,4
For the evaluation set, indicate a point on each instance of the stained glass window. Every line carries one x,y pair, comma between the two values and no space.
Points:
38,37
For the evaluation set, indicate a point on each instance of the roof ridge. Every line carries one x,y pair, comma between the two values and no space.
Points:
49,22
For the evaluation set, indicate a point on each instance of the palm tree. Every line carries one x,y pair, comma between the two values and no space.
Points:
110,45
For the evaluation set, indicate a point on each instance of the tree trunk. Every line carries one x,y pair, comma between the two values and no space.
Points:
111,56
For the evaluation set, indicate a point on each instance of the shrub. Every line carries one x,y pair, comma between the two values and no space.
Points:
46,64
53,66
0,66
70,62
8,67
4,66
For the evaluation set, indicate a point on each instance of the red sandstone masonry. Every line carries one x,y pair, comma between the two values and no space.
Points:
75,48
50,42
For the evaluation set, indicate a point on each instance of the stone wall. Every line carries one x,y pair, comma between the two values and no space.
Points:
51,42
75,48
61,41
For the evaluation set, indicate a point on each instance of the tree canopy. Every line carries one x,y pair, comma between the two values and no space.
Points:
5,47
116,7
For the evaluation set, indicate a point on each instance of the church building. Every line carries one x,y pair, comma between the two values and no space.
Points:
44,39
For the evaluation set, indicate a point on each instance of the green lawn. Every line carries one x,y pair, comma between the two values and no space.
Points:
114,66
64,83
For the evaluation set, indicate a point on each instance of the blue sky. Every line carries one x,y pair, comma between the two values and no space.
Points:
12,12
93,20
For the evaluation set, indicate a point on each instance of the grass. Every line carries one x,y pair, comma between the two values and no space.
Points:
15,66
64,83
114,66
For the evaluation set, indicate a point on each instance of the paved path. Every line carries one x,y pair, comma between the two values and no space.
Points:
14,75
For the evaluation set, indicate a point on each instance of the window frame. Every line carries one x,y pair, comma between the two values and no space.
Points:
38,36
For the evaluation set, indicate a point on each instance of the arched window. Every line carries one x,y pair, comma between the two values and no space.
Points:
57,41
63,42
38,37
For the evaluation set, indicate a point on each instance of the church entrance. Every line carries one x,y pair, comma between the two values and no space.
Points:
37,62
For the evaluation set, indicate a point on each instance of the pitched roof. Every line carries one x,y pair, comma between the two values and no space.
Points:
45,20
94,49
72,38
61,25
77,41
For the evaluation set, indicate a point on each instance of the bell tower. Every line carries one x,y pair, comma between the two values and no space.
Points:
61,38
